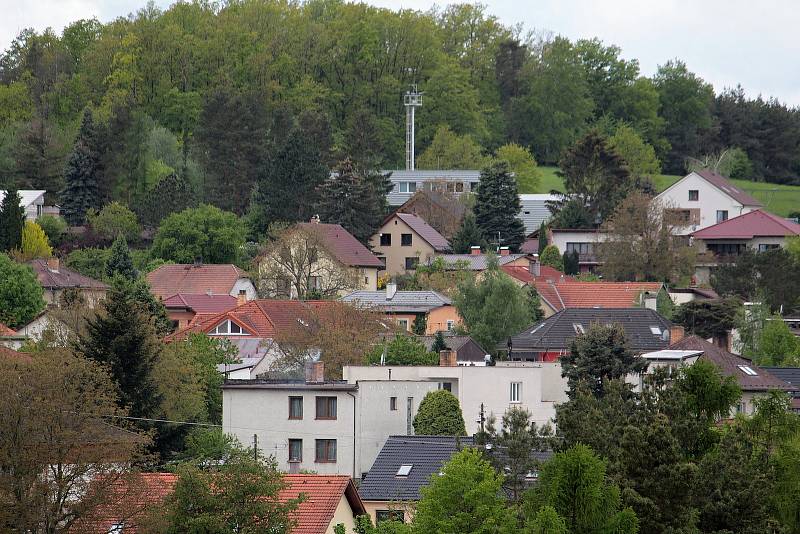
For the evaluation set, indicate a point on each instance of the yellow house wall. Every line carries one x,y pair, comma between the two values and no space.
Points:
396,254
343,515
373,506
437,319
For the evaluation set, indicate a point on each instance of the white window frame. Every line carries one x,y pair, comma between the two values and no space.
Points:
228,330
450,324
403,323
407,187
515,393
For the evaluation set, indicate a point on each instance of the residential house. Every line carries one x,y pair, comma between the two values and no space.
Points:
406,307
33,203
200,279
581,240
443,211
408,182
404,240
323,257
790,375
14,356
534,210
33,329
757,230
56,279
183,308
682,295
550,339
405,464
466,350
476,260
704,198
9,338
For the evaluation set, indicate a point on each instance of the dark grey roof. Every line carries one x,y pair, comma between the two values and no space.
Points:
790,375
466,348
408,301
557,331
426,454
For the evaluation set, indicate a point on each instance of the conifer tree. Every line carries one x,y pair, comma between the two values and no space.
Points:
172,194
439,343
83,174
497,206
467,236
34,243
348,197
122,336
12,220
542,237
120,261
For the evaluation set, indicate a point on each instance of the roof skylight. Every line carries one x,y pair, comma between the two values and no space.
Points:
746,369
404,470
655,330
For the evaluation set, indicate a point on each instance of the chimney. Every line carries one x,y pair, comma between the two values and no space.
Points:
315,372
198,261
315,219
505,251
241,298
391,289
534,267
475,250
675,334
53,264
447,358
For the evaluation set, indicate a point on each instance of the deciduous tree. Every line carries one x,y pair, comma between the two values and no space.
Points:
205,233
402,350
20,293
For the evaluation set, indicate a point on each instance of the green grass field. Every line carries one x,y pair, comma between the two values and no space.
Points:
779,199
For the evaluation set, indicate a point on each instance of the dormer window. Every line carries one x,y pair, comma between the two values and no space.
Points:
228,327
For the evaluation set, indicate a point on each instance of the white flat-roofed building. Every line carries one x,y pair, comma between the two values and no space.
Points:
406,183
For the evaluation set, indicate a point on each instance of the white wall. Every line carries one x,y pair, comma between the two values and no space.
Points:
247,285
561,238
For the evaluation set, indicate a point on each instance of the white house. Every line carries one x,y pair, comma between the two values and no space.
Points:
703,198
406,182
581,240
33,203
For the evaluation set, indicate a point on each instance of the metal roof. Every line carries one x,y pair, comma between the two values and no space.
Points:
27,196
417,301
757,223
534,210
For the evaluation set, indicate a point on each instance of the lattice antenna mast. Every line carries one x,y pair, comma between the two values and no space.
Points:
412,100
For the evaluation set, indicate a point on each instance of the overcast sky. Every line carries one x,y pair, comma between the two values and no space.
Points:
724,41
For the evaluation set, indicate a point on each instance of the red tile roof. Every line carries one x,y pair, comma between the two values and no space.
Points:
344,247
322,494
168,280
12,355
727,187
63,277
730,365
425,231
6,331
201,303
757,223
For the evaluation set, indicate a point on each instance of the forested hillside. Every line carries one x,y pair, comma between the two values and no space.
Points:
211,94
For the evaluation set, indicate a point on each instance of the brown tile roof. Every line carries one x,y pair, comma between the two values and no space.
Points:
168,280
731,365
12,355
201,303
425,231
727,187
757,223
6,331
63,277
322,496
344,247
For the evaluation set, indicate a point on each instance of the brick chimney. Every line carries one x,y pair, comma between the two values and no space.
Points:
534,267
315,372
475,250
241,298
447,358
675,334
505,251
53,263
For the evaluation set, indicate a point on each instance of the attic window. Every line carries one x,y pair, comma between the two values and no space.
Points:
656,331
578,328
746,369
228,328
404,470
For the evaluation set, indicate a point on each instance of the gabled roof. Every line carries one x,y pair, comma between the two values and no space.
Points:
63,277
733,365
27,196
401,301
474,262
218,279
426,455
14,356
423,229
322,496
757,223
557,331
342,245
466,348
790,375
6,331
201,303
727,187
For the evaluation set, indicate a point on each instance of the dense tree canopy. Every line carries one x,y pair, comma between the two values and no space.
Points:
439,414
205,233
20,293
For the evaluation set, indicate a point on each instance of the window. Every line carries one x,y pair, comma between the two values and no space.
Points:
578,328
407,187
726,249
580,248
516,392
763,247
295,407
325,451
404,470
656,331
393,404
314,282
389,515
746,369
116,528
450,324
473,186
722,215
403,323
447,386
694,194
326,407
411,263
459,187
228,327
386,240
405,240
295,450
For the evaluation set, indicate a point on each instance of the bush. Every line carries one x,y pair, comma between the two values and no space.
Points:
552,257
439,414
34,243
54,227
205,233
402,350
115,219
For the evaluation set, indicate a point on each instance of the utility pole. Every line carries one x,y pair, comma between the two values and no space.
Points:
255,447
411,100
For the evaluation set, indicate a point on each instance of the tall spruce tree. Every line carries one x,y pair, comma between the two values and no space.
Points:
83,174
497,206
122,336
542,237
467,236
287,188
12,221
351,198
120,261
